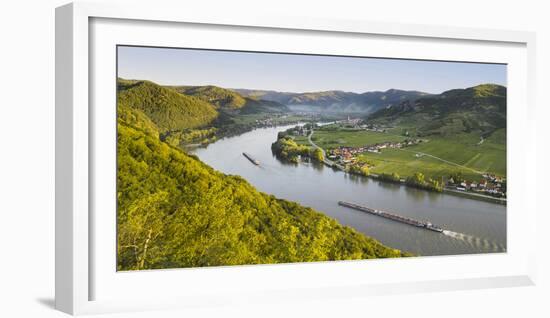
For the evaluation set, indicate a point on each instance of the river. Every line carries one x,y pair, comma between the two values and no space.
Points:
473,226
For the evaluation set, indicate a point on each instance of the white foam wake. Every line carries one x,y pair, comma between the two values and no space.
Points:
476,241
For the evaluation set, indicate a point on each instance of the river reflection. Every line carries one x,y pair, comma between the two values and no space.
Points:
480,226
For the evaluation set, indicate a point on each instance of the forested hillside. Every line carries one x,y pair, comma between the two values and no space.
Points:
191,114
231,101
175,211
480,109
219,97
167,108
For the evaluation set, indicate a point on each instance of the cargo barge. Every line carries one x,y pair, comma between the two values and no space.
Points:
249,157
394,217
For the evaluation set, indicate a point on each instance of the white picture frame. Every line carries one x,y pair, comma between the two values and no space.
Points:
76,253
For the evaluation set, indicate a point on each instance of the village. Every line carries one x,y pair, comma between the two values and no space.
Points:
274,120
347,155
360,124
490,185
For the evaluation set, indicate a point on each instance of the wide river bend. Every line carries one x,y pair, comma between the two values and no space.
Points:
473,226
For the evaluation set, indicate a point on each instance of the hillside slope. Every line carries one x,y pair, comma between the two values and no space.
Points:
480,109
256,106
231,101
165,107
217,96
175,211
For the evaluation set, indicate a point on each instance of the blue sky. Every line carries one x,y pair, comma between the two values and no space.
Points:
299,73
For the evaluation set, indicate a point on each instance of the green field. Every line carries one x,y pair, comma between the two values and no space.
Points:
437,157
464,149
353,138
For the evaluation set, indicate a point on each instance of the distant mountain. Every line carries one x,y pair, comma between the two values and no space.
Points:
229,100
279,97
336,101
175,211
480,108
165,107
255,106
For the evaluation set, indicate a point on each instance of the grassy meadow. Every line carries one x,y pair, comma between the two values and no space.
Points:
354,138
437,157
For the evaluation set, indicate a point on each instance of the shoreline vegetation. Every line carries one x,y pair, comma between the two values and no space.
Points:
286,148
292,146
175,211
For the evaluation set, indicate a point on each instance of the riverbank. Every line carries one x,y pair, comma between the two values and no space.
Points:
476,196
235,130
316,186
466,194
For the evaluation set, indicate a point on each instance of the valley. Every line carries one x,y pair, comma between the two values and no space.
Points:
178,145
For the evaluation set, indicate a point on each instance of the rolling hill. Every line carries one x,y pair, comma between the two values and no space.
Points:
231,101
175,211
165,107
217,96
480,109
256,106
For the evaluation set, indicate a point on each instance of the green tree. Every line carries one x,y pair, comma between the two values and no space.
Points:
318,155
175,211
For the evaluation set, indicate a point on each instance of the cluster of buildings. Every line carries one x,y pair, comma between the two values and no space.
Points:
300,130
351,121
267,122
343,155
376,148
358,123
274,120
490,184
347,154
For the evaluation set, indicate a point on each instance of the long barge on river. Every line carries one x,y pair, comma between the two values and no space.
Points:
394,217
249,157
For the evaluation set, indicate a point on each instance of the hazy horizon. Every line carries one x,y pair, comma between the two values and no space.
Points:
296,73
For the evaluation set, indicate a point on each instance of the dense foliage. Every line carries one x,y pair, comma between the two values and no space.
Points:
175,211
167,108
362,170
390,177
480,109
317,155
286,148
231,101
137,119
190,136
418,180
217,96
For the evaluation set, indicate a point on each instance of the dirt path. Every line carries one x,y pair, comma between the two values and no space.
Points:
444,160
325,160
